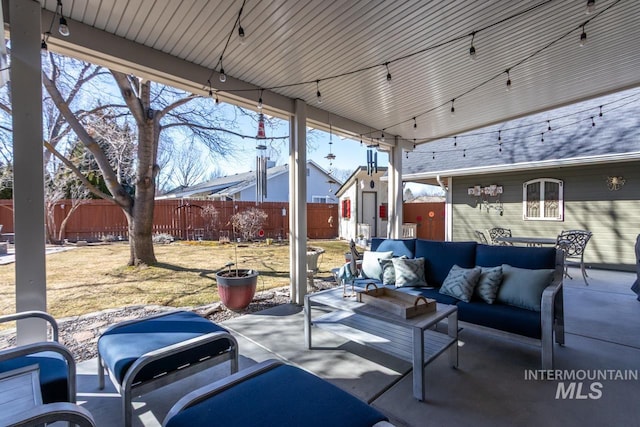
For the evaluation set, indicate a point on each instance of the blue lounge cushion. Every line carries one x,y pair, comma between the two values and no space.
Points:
461,282
53,374
433,293
121,346
441,256
523,287
308,401
532,258
501,316
399,247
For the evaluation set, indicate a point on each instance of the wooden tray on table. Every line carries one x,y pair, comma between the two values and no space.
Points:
399,303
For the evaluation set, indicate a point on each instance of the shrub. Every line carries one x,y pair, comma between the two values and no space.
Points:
162,238
248,222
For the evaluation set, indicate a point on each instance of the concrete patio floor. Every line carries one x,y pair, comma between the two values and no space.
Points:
488,389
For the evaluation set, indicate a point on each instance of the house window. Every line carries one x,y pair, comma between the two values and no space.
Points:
346,208
542,199
320,199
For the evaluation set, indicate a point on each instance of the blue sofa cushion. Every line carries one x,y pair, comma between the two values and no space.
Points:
501,316
283,396
121,346
441,256
461,282
53,374
400,247
432,293
532,258
523,287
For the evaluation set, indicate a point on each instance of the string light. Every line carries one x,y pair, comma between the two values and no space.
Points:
591,7
593,123
386,64
455,141
508,80
583,36
43,43
549,125
63,28
600,114
453,108
415,124
464,153
241,35
472,49
382,136
222,76
433,155
318,94
542,137
500,135
260,101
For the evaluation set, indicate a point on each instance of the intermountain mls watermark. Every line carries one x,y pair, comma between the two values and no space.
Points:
580,383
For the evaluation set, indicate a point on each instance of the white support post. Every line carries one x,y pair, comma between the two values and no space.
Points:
28,177
448,213
395,193
298,203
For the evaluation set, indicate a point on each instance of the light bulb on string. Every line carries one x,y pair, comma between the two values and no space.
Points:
222,76
455,141
318,94
260,105
241,35
593,123
386,64
600,114
453,108
508,80
414,143
500,135
415,125
542,137
464,153
43,43
549,125
433,155
382,136
63,28
583,36
472,49
591,7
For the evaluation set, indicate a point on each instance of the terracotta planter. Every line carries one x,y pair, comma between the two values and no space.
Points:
237,292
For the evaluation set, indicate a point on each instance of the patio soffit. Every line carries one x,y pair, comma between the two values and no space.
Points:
341,48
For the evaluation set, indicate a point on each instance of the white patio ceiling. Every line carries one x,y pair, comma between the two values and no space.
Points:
292,41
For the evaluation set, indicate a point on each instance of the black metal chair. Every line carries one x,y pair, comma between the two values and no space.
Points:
496,232
574,242
480,237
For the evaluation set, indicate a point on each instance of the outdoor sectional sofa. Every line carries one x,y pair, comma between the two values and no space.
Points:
539,322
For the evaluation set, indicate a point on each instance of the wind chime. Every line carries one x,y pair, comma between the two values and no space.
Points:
372,160
331,157
261,162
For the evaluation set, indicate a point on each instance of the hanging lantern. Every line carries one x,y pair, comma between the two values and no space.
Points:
261,133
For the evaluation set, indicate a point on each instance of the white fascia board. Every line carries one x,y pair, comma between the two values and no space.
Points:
515,167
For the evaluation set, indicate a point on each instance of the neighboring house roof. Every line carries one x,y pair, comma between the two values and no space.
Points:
572,141
350,181
227,186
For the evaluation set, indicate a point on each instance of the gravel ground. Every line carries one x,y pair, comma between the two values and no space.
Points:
80,334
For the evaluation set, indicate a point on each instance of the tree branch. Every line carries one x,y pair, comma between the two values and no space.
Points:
79,174
176,104
128,94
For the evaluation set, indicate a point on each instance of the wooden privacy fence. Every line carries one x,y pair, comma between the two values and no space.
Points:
183,219
428,217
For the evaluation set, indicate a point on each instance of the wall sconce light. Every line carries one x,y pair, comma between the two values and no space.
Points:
614,183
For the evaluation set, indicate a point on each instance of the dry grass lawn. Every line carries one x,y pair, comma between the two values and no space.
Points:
93,278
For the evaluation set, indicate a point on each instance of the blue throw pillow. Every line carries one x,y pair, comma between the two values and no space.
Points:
488,284
371,268
522,287
409,272
460,282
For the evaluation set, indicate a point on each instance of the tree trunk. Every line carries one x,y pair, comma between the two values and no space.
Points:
141,228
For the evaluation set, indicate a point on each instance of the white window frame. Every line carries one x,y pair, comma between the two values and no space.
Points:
542,182
320,199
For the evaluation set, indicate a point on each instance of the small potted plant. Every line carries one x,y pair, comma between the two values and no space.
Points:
237,286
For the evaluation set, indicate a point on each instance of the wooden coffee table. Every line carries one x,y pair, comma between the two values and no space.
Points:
414,340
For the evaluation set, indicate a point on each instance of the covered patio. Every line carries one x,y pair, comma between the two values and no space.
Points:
489,388
393,75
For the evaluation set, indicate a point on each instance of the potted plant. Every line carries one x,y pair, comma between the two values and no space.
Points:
237,286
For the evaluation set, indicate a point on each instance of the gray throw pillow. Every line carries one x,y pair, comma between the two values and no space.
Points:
522,287
460,282
388,272
371,268
488,284
409,272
